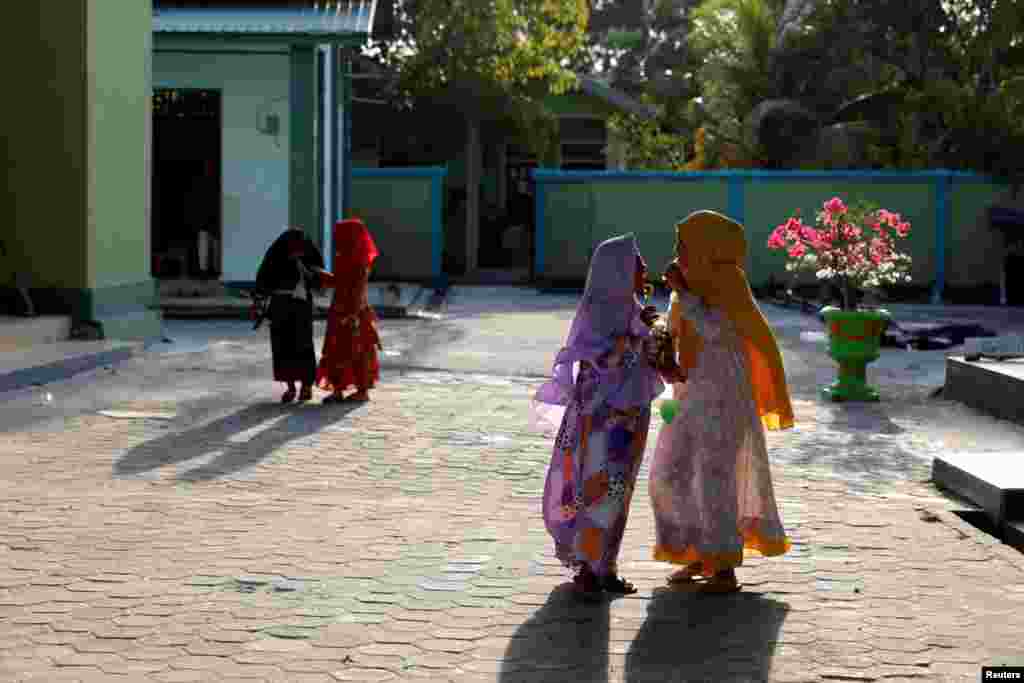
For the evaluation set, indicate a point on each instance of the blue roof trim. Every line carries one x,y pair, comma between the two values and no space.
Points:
401,172
556,176
342,17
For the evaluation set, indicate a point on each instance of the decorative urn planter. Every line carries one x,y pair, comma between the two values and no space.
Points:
854,341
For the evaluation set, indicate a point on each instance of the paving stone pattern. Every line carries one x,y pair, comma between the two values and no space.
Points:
401,540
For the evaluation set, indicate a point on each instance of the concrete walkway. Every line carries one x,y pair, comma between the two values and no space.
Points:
194,530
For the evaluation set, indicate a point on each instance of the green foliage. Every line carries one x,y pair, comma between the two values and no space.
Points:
538,127
496,48
955,60
946,124
648,144
488,60
735,40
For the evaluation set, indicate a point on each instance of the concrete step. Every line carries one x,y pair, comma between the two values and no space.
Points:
183,288
44,363
384,304
992,481
993,387
16,333
495,276
1013,534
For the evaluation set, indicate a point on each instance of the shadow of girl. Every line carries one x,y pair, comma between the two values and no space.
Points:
564,640
696,638
235,442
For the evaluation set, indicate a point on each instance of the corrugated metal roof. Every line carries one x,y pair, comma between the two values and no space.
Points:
321,19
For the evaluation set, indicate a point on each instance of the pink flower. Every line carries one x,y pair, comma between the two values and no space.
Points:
792,227
777,239
902,229
808,234
797,250
835,206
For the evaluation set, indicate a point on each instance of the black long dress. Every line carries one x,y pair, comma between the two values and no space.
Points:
291,318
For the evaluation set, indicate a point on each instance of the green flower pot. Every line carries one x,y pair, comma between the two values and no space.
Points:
854,339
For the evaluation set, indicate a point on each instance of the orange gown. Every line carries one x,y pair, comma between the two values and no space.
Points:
349,356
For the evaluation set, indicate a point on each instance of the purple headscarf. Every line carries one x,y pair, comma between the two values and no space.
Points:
609,309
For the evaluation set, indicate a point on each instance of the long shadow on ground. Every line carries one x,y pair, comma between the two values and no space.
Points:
235,442
564,640
689,637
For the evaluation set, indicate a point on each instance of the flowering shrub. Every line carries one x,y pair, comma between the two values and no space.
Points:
854,246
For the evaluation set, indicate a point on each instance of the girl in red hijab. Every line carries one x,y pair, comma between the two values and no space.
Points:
349,356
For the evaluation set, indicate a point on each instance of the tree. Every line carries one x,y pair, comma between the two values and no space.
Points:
955,62
487,60
735,41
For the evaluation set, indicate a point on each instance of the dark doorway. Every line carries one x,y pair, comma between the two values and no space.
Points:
186,218
517,247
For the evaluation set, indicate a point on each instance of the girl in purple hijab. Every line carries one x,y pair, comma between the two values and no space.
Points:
602,416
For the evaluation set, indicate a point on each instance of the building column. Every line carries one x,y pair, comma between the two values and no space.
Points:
344,87
473,163
328,150
501,159
302,172
76,212
616,154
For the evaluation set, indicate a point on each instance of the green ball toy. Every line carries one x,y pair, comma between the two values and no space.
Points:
669,409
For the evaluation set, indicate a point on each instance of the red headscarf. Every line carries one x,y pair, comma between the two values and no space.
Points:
353,246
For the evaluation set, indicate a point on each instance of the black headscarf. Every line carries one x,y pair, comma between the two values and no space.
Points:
279,269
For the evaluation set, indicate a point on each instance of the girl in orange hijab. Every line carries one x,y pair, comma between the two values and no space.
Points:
710,481
349,355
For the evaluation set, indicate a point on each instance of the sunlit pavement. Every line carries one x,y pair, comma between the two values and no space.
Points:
167,520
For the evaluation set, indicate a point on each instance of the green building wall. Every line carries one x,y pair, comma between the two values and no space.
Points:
950,242
76,212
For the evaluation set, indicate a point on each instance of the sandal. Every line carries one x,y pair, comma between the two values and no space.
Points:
288,396
588,586
334,398
615,584
358,398
688,574
306,394
720,583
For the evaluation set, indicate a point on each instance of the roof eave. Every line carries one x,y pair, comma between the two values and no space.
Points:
616,98
287,37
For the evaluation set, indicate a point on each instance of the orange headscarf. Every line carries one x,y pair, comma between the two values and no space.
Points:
717,248
353,246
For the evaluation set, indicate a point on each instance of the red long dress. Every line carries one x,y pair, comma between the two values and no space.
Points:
349,356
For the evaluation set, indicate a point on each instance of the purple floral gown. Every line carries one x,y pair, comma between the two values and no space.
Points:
594,467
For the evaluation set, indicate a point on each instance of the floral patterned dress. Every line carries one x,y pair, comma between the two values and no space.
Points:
710,480
593,469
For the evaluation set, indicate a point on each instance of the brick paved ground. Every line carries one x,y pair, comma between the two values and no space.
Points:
400,540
